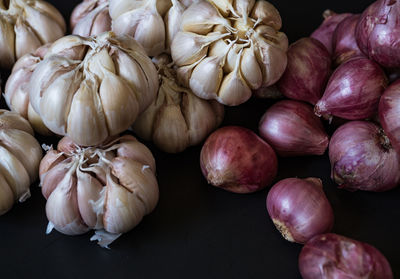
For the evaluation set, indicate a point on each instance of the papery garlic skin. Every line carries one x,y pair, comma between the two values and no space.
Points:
234,45
16,90
90,17
26,25
177,118
92,88
20,155
108,188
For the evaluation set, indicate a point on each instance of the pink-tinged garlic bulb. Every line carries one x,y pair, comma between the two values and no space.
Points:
26,25
226,49
90,17
16,91
20,155
107,188
177,118
153,23
92,88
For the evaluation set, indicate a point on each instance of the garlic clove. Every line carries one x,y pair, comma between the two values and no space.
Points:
126,204
131,148
56,100
6,196
7,43
170,129
231,58
199,116
12,120
81,10
201,17
16,96
86,111
234,90
101,63
243,7
187,48
206,78
173,20
36,121
250,69
225,6
119,103
26,40
25,148
118,7
72,47
67,146
102,23
184,73
62,206
52,12
267,14
88,192
49,161
15,174
50,179
43,25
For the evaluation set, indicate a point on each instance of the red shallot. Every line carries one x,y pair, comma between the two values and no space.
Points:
299,208
237,160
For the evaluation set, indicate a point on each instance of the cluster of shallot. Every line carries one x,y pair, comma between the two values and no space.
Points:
338,74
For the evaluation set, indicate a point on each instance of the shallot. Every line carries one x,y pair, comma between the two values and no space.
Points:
237,160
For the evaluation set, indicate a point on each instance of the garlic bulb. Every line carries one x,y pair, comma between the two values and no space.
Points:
226,48
90,17
16,89
177,118
92,88
153,23
25,25
20,155
108,188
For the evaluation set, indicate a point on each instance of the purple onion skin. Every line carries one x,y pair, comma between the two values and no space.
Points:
389,114
378,32
344,40
307,71
362,158
237,160
300,209
292,129
324,32
330,256
353,90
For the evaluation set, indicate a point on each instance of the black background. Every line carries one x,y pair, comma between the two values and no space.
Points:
198,231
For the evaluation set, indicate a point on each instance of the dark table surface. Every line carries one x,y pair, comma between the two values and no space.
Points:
198,231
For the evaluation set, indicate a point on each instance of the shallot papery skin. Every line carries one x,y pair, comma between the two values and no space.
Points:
299,208
389,114
307,71
362,158
344,40
292,129
329,256
324,32
378,32
237,160
353,90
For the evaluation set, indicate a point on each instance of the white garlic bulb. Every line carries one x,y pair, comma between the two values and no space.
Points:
108,188
177,118
153,23
92,88
16,90
25,25
227,48
90,17
20,155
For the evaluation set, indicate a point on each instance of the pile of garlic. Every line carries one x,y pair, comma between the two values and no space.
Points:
177,118
25,25
108,188
20,155
226,49
91,17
